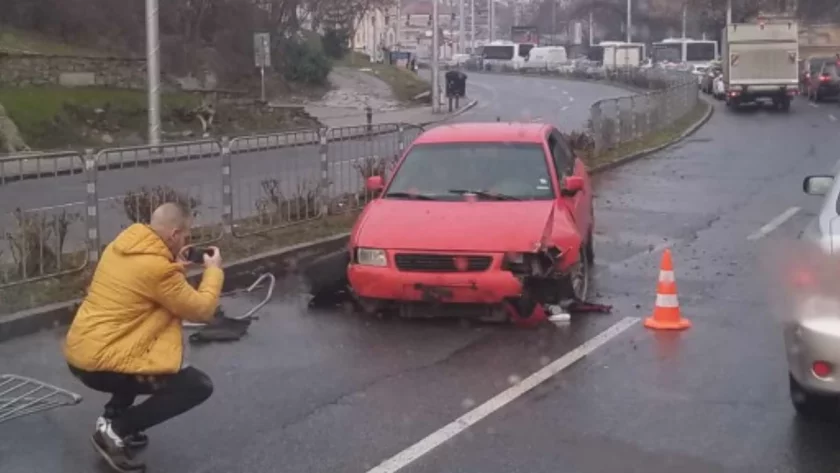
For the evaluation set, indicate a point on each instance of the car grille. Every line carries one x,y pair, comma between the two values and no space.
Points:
431,263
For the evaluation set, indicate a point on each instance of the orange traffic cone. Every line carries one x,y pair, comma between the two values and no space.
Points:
666,312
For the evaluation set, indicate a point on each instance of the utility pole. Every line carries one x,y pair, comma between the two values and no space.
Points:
491,20
685,8
629,21
435,58
472,26
153,70
553,21
728,12
462,27
591,28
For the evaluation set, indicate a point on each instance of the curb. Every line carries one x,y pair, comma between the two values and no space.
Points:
646,152
466,108
281,262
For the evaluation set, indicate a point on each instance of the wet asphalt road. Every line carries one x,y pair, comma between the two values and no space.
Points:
326,391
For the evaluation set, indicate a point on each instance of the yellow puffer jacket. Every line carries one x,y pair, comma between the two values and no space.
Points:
130,321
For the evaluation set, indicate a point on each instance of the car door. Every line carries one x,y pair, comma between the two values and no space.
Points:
566,164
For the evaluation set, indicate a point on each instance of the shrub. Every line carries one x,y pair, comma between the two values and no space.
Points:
140,204
305,62
274,207
37,244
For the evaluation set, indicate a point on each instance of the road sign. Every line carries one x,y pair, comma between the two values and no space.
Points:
262,49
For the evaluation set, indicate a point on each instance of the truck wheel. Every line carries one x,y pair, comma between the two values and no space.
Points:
784,105
811,405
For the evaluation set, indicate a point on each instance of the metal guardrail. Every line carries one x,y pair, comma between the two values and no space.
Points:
58,208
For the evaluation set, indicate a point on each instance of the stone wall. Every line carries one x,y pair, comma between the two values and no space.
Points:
20,70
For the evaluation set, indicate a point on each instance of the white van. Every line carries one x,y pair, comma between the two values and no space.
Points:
546,57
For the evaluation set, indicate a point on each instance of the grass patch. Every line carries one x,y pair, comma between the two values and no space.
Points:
57,117
16,41
404,83
656,139
72,286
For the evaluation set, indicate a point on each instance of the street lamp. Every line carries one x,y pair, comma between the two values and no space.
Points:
153,70
435,58
629,21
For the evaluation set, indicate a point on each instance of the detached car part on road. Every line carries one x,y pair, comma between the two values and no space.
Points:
494,217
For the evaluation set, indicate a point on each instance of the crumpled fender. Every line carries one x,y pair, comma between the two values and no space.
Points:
561,232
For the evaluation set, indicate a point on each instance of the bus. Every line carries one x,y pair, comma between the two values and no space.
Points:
685,50
506,53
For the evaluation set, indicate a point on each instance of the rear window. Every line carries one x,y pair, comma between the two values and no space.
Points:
515,169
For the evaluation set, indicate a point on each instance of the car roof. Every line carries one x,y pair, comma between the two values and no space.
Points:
490,132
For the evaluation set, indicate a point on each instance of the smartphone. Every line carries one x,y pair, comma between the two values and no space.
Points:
196,255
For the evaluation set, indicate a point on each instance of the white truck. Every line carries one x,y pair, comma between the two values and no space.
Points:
761,61
619,54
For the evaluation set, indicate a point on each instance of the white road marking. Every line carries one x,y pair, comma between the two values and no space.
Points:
414,452
832,118
571,99
773,224
564,108
565,92
813,105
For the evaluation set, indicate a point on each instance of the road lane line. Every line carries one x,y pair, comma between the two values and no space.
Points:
773,224
414,452
832,118
814,105
565,92
564,108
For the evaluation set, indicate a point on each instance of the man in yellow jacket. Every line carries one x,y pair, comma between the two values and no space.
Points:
126,338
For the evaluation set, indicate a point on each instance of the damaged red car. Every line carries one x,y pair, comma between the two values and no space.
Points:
489,217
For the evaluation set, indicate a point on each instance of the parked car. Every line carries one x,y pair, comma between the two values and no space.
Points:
812,332
824,81
497,216
707,83
811,66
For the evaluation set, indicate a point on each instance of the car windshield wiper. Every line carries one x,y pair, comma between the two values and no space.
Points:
409,195
484,194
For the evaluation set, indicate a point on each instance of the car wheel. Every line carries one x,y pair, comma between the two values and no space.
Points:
811,405
578,279
590,250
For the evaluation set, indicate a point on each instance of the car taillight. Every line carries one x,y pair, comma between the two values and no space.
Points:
824,78
822,369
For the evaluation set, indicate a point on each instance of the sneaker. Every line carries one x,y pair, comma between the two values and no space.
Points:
113,450
134,441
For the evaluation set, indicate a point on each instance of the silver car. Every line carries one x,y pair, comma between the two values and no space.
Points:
812,334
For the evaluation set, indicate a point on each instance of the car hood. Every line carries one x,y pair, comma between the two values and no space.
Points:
460,226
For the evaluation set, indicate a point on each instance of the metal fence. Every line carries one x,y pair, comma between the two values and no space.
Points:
58,208
662,97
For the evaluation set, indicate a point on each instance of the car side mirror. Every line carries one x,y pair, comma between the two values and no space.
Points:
817,185
374,184
572,185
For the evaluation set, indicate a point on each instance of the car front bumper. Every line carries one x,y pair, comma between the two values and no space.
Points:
492,286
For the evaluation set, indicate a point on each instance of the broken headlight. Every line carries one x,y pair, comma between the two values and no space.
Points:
371,257
541,263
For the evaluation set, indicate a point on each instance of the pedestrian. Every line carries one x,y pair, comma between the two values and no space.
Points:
126,339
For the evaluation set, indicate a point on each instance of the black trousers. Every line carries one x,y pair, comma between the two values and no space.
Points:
169,396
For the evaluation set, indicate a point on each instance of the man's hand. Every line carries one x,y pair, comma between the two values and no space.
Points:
214,260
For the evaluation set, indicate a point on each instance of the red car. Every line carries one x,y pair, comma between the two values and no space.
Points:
496,216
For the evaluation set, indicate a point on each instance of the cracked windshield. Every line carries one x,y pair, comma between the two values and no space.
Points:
419,236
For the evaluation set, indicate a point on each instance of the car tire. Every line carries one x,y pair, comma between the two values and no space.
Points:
811,405
576,283
590,250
